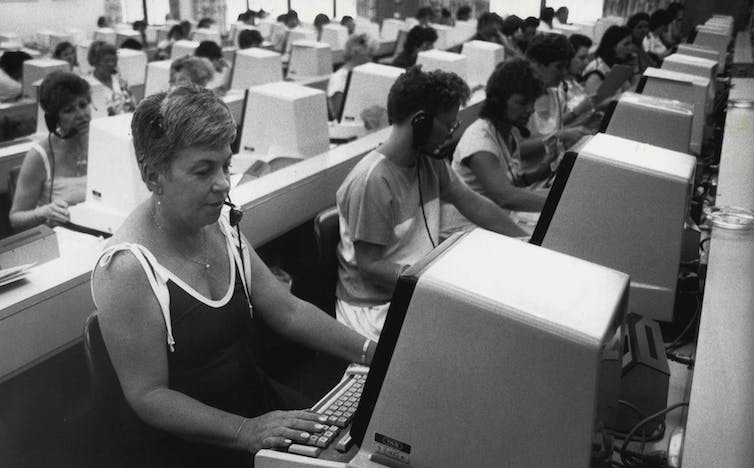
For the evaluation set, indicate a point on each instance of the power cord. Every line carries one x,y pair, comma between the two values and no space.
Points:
421,201
635,459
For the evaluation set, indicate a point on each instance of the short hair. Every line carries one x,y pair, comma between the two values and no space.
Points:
433,92
637,18
578,41
463,13
249,38
321,19
185,116
186,27
530,22
352,42
561,10
510,25
545,49
417,36
547,14
59,89
425,12
177,32
658,19
674,8
205,23
209,49
12,62
61,48
131,43
513,76
611,38
345,20
488,18
102,22
97,50
198,69
139,25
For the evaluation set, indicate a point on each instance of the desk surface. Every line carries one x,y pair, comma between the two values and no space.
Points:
720,425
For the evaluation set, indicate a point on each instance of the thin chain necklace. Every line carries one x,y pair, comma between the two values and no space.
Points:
205,264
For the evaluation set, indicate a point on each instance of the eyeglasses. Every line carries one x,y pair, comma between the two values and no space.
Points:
451,128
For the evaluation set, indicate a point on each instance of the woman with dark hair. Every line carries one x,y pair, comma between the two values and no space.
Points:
319,21
488,27
639,26
67,52
546,17
248,38
212,52
11,74
164,48
615,48
675,33
53,174
653,43
104,58
417,40
578,102
181,296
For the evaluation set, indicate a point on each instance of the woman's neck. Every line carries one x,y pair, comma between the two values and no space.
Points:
105,78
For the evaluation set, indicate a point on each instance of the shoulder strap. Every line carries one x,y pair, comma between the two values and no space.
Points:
45,158
240,255
154,273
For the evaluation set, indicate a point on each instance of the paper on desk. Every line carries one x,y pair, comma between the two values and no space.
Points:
70,243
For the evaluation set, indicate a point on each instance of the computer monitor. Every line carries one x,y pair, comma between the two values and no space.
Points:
183,47
391,27
132,66
700,51
56,38
299,34
660,122
586,28
714,38
494,353
567,30
463,31
158,77
113,180
691,64
482,57
43,37
369,86
366,26
267,25
622,204
207,34
285,119
335,35
682,87
124,34
256,66
106,35
445,61
38,69
445,37
308,59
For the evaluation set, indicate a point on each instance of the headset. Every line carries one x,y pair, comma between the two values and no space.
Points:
422,124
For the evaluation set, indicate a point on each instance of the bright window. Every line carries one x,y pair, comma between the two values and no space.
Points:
133,10
521,8
234,8
580,10
345,8
308,9
273,7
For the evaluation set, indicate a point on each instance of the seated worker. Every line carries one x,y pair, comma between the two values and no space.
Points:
463,13
132,44
279,37
248,38
578,102
104,58
488,28
561,17
615,48
487,157
418,39
658,27
164,48
181,334
545,19
212,52
319,21
389,204
53,174
508,31
357,51
526,32
67,52
11,74
188,69
550,54
425,16
349,23
639,26
676,29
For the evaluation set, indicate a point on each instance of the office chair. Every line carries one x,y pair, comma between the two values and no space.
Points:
327,236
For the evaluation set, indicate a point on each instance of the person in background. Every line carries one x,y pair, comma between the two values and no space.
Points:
639,26
320,20
141,27
205,23
11,74
389,204
181,298
104,58
578,102
550,54
425,16
212,52
358,51
463,13
417,40
248,38
164,48
545,18
132,44
103,22
561,16
488,27
653,44
488,158
615,48
280,36
349,23
508,32
188,69
526,32
67,52
445,17
186,27
53,174
676,29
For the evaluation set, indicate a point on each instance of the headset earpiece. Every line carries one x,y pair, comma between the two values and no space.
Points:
422,124
235,215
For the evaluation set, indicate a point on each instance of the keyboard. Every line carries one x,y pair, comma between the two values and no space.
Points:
339,405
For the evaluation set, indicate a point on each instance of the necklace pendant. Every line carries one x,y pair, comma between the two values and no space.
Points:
206,266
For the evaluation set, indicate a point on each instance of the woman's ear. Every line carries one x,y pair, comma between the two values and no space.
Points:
153,179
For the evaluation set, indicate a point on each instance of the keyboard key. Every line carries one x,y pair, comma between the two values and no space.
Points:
322,442
344,443
304,450
312,440
342,421
332,420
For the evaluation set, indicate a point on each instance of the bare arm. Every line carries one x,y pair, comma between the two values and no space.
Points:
24,213
299,320
134,333
484,212
592,83
498,187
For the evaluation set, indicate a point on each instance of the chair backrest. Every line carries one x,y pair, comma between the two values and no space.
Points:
327,237
105,383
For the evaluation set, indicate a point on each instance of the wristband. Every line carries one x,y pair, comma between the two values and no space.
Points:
364,350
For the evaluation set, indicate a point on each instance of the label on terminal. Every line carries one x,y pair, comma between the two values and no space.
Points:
391,448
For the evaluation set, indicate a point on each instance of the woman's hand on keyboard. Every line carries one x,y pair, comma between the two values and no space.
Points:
279,429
